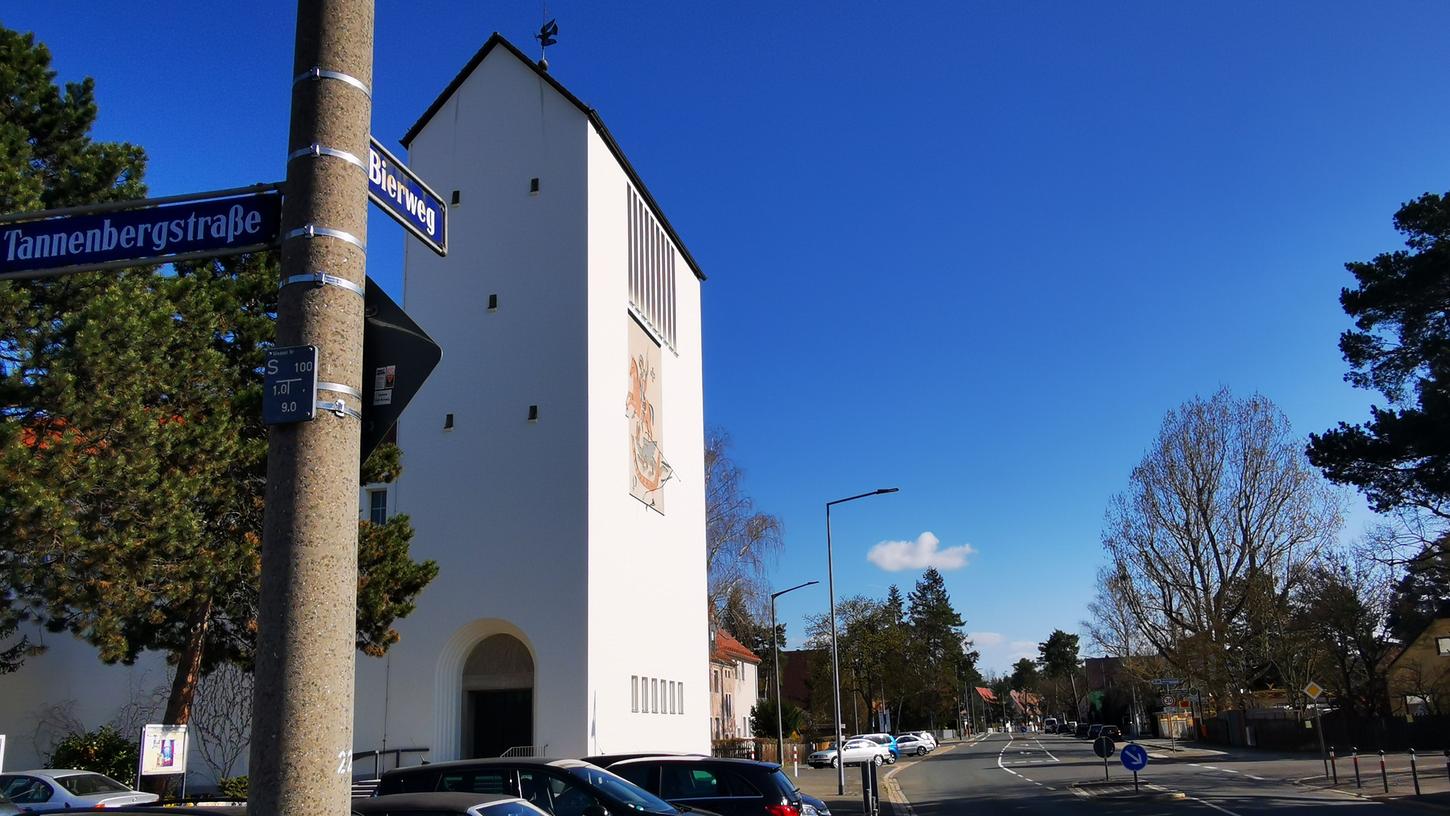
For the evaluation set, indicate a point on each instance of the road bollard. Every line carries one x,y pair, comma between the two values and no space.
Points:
1414,772
1333,765
1355,751
1384,775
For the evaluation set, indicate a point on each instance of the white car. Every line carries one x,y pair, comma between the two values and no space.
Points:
49,789
926,737
857,751
912,745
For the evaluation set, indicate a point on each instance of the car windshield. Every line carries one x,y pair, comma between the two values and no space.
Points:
626,792
89,784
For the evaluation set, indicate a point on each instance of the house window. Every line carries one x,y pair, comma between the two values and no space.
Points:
729,710
634,693
1442,645
714,681
378,506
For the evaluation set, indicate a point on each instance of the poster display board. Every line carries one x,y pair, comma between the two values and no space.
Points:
163,750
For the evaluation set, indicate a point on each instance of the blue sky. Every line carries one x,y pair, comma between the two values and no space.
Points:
971,249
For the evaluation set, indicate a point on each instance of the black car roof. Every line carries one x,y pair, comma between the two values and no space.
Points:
738,761
432,800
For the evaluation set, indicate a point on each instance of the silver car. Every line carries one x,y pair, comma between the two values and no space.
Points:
49,789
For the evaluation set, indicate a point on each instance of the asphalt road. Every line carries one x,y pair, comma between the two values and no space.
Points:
1027,774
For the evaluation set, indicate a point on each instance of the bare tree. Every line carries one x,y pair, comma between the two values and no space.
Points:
1218,525
221,718
740,541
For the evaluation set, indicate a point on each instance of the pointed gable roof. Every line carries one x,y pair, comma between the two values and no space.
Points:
497,40
727,648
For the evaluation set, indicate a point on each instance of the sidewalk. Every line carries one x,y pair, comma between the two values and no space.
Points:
1396,782
822,785
1165,749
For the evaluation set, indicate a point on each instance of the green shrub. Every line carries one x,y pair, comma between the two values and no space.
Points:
233,787
103,750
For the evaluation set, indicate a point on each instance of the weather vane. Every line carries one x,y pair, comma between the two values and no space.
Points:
547,32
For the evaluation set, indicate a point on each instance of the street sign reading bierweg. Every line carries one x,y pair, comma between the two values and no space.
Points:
400,193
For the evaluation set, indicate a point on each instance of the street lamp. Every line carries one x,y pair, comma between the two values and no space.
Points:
835,655
775,649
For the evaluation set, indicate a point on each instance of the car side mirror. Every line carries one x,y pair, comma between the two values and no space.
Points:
596,809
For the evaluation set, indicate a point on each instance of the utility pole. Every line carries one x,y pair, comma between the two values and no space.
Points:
303,705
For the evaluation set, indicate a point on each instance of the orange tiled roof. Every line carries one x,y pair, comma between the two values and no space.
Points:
727,648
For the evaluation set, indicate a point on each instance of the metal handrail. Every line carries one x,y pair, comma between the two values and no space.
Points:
526,751
377,756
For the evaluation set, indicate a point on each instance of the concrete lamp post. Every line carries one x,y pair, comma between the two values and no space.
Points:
775,650
835,655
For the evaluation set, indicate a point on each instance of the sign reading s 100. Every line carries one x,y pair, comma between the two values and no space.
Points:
404,196
147,233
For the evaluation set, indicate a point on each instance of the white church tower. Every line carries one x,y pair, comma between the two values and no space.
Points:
553,462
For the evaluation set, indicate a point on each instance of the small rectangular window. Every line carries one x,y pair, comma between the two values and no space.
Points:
634,693
378,506
672,696
654,696
681,690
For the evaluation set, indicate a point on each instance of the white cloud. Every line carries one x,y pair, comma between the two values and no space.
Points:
999,652
925,551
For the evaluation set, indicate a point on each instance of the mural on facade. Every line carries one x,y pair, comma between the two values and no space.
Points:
648,470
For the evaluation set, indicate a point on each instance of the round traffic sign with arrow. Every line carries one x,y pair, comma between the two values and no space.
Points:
1134,757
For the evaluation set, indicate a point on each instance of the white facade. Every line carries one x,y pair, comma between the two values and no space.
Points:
532,521
540,534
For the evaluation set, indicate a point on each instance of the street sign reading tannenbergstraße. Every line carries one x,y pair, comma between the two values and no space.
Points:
126,233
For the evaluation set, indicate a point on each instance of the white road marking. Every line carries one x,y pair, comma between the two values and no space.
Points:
1218,808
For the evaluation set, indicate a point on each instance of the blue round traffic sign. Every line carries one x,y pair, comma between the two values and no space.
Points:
1134,757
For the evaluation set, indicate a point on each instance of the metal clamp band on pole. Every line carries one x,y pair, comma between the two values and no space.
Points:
324,279
313,231
322,73
315,149
339,388
340,408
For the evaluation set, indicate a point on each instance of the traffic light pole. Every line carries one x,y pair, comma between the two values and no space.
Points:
302,713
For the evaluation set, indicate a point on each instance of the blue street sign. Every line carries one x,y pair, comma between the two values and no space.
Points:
289,383
137,232
1134,757
404,196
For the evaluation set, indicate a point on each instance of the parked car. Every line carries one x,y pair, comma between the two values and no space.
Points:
559,787
1081,731
49,789
1069,728
811,806
1094,730
444,804
1049,725
729,787
912,745
856,752
1112,732
927,737
883,739
7,807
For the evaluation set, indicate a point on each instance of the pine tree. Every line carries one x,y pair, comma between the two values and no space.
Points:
937,645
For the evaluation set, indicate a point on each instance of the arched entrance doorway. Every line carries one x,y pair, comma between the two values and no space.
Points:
498,697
